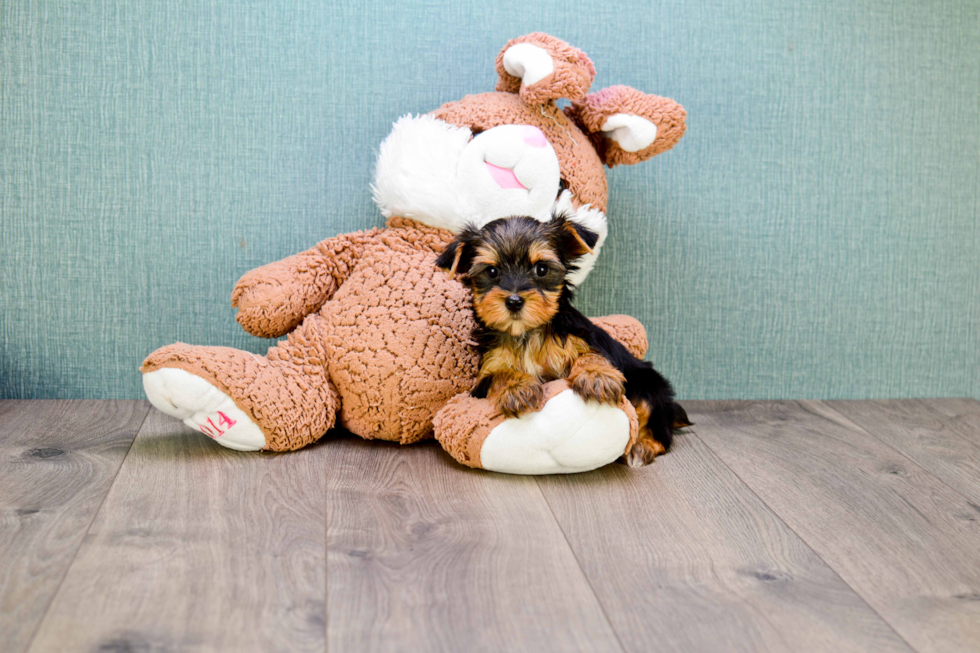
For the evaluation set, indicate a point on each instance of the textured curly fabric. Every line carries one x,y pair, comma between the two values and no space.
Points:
398,336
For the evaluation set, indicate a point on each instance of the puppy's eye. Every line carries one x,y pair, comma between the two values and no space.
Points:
493,273
541,270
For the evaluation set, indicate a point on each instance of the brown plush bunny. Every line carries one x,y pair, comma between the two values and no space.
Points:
378,337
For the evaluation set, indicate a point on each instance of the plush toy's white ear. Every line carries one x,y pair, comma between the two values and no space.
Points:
528,62
632,133
632,126
542,68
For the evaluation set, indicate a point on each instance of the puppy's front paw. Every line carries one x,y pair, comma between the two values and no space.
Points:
593,378
516,399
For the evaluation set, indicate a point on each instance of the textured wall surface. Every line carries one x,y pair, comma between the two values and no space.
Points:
815,234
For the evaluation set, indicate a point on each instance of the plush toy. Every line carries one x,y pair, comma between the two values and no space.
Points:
379,338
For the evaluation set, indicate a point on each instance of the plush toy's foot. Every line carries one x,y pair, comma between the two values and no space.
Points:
279,402
202,407
568,435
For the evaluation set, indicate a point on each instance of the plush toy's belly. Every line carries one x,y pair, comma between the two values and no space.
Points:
399,341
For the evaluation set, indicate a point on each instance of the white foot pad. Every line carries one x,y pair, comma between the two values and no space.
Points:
202,407
567,436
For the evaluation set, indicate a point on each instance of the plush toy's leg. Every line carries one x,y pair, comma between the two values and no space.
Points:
568,435
279,402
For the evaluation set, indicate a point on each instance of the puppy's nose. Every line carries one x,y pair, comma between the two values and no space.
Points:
514,303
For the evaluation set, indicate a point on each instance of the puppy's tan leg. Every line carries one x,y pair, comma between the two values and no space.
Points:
594,378
516,393
647,447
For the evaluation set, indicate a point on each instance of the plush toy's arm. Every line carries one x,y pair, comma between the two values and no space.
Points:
628,330
273,299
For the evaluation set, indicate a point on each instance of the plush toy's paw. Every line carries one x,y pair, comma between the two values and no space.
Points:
202,407
594,379
566,436
266,309
519,397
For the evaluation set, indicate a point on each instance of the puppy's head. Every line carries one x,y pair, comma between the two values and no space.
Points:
517,268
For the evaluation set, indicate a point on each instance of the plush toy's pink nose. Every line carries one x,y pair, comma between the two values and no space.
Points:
534,136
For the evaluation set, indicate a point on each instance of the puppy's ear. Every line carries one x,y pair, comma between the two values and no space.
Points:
457,258
574,240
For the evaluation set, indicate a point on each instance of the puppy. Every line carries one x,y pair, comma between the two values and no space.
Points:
529,333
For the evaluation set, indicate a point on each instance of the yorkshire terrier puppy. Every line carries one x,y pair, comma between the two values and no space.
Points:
529,333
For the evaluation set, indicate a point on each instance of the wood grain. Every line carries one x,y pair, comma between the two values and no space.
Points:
425,555
683,557
941,435
198,548
57,462
906,542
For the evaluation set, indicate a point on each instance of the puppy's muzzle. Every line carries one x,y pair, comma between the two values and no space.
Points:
514,303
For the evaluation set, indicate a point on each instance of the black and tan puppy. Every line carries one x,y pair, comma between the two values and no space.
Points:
529,333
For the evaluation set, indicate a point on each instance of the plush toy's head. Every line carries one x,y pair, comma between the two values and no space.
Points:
514,152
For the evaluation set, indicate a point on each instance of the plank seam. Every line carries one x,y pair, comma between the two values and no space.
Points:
802,540
578,563
95,514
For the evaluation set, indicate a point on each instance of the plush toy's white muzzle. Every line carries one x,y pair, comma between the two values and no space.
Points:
508,170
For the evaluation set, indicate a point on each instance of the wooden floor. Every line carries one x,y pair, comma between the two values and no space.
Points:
771,526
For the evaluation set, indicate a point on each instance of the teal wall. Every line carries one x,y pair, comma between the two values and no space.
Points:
815,234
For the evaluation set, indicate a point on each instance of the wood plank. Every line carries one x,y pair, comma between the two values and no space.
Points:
906,542
199,548
57,462
684,557
426,555
941,435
